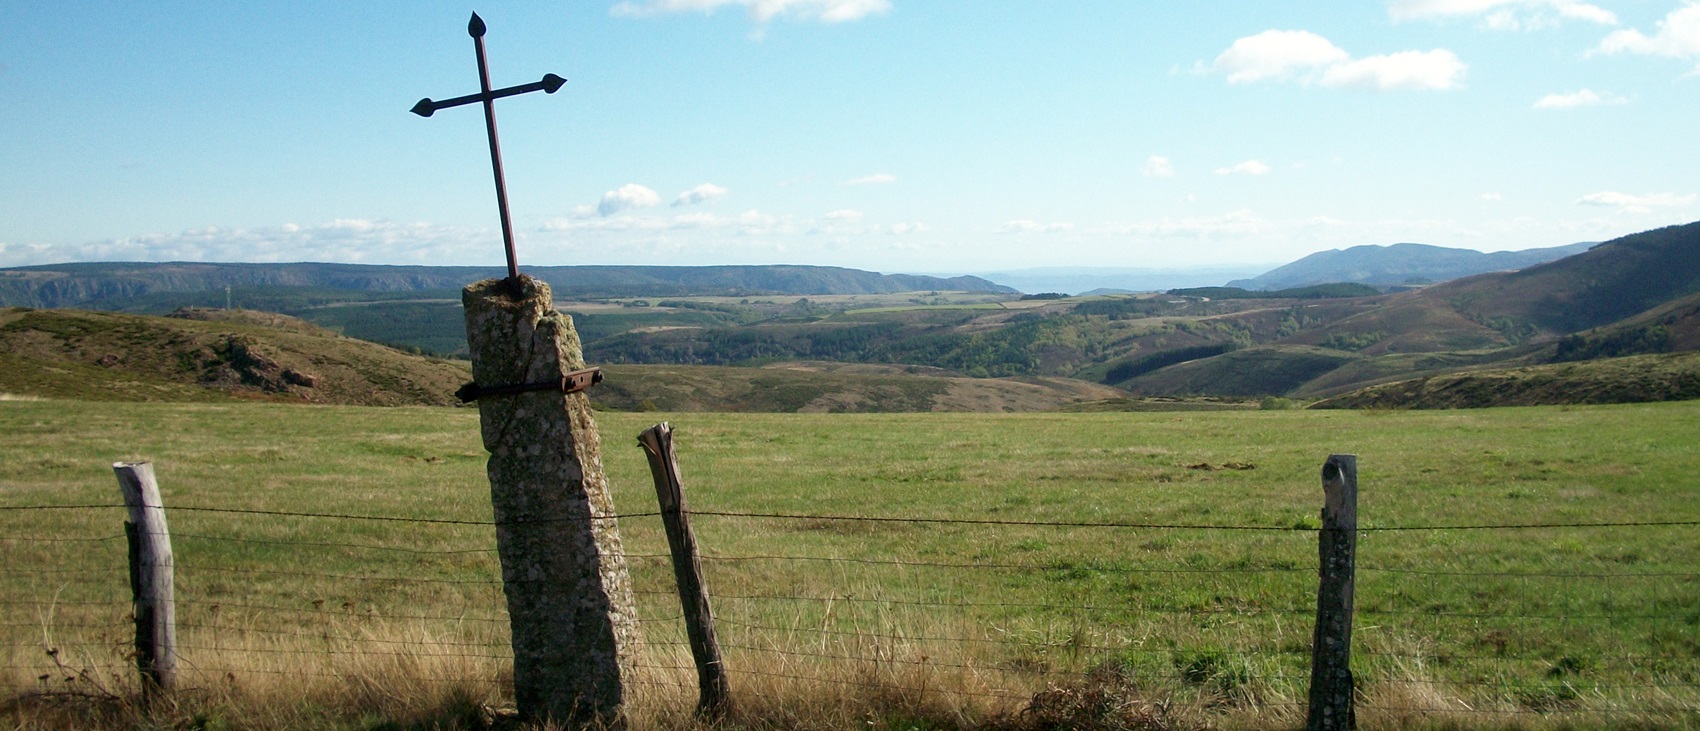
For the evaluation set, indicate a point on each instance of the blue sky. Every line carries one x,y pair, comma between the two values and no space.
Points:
891,135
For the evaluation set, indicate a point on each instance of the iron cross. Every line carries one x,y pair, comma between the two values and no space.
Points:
425,108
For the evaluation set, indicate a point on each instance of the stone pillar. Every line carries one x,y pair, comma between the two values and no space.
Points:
575,629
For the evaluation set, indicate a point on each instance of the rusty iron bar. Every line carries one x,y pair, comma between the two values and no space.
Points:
569,383
475,28
549,84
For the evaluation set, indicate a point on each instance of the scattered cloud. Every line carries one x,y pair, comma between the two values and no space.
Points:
1436,70
760,11
628,196
746,223
876,179
1157,166
1307,58
1025,226
1503,14
1249,167
1277,55
1628,203
343,240
1582,98
843,214
1678,37
700,194
1492,197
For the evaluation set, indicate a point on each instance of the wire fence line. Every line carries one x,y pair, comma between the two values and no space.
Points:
1218,631
885,519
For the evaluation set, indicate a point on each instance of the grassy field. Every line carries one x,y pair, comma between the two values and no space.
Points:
305,622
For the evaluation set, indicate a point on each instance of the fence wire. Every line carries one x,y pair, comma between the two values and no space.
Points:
1569,637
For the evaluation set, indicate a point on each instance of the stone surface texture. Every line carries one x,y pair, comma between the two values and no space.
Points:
575,631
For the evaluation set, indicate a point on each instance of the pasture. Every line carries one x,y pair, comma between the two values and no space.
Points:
1182,599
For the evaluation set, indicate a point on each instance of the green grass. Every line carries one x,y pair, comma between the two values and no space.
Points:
1537,628
1635,378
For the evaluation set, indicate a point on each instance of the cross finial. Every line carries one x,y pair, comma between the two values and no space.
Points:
549,84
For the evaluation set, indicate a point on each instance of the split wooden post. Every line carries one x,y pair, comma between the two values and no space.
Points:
713,690
1331,645
150,578
574,624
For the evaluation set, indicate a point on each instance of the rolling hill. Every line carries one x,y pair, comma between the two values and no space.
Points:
1636,295
1633,379
221,355
118,286
1399,264
209,355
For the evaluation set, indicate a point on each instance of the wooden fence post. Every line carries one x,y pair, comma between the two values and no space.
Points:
1331,644
150,578
713,691
574,624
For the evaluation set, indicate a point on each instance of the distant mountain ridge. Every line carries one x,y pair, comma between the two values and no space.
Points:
1400,264
1116,280
89,284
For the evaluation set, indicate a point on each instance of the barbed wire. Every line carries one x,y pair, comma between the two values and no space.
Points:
1009,566
851,598
321,544
62,539
842,638
1184,526
895,519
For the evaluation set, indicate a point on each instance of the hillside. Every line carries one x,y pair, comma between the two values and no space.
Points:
828,387
1639,294
209,356
1399,264
115,286
1610,282
219,355
1634,379
1613,281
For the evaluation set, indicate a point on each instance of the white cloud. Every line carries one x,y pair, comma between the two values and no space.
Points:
1276,54
876,179
1678,37
1628,203
1249,167
1492,197
1503,14
1026,226
1157,166
748,222
760,11
1437,70
843,214
1307,58
699,194
341,240
630,195
1582,98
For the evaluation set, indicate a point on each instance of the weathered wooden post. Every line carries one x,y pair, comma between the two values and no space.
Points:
1331,644
713,690
570,603
150,578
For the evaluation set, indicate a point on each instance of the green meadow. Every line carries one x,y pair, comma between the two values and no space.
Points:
1187,603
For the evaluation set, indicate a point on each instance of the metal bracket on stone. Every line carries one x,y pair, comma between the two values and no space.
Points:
570,383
